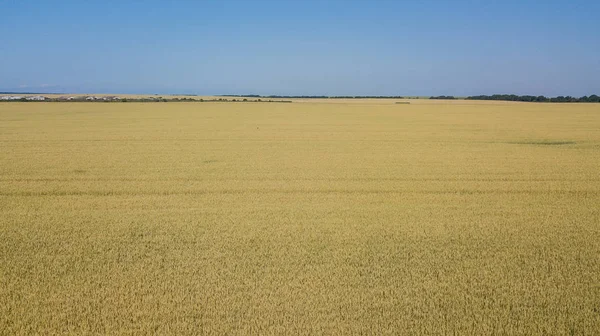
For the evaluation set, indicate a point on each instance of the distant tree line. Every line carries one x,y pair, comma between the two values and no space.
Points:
539,99
367,97
277,98
536,99
249,96
443,97
316,97
86,99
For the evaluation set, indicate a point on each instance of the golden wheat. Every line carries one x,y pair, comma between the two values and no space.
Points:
317,217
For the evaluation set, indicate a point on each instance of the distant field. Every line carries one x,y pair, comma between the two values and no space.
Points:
316,217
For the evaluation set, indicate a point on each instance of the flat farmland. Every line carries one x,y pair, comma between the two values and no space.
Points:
311,217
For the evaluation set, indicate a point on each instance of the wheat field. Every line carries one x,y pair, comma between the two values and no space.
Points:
315,217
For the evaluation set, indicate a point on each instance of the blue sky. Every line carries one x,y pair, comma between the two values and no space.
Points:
376,47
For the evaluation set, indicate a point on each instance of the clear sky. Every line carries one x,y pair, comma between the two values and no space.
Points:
377,47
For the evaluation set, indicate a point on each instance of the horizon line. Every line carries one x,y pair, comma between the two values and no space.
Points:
290,96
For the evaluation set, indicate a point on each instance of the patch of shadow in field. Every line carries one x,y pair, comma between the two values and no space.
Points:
79,171
209,161
544,142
